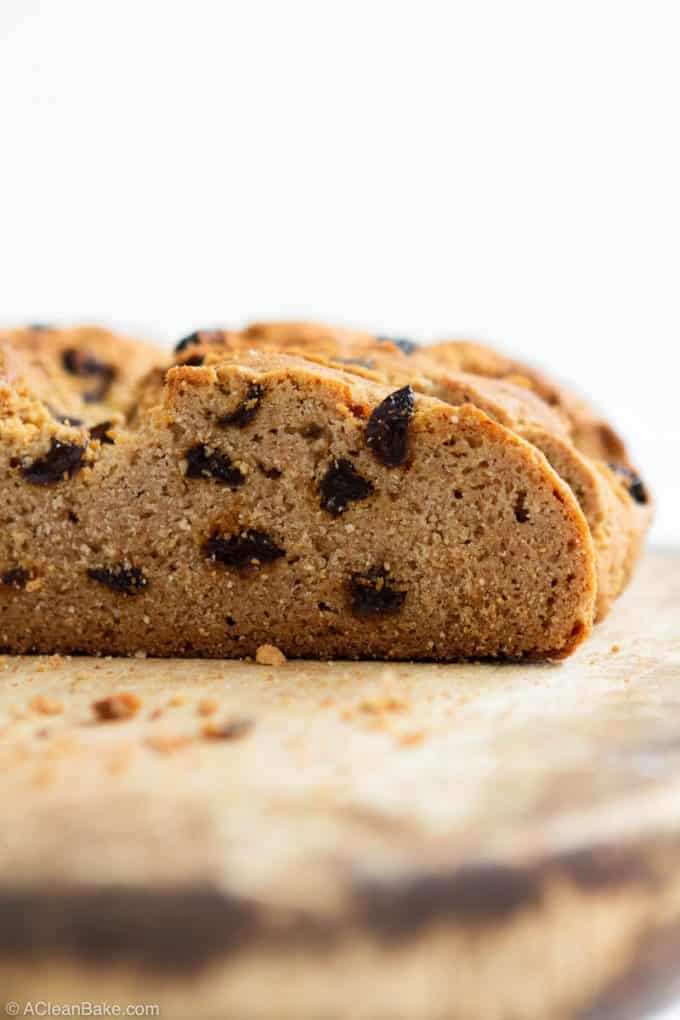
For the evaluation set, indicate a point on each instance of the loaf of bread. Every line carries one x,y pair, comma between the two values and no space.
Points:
328,492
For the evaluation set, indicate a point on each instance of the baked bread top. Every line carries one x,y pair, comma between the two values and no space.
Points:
589,431
83,374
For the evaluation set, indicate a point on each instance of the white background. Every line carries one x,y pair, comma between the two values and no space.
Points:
508,171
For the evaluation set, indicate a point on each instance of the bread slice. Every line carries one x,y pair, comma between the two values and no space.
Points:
615,502
269,498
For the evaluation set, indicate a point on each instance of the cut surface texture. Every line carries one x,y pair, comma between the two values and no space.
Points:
327,492
583,448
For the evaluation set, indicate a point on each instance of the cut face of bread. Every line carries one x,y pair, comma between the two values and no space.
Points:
271,499
615,502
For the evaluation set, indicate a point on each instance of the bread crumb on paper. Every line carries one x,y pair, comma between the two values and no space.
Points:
44,705
117,707
167,743
231,729
269,655
208,706
412,739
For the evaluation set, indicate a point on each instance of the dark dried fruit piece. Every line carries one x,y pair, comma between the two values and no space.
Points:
372,594
407,346
101,432
638,490
387,429
201,336
15,578
77,362
85,365
246,411
201,463
62,459
187,341
194,361
126,580
636,487
273,472
341,485
520,507
244,549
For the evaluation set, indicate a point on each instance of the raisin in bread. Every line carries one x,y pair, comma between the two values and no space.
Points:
613,499
263,497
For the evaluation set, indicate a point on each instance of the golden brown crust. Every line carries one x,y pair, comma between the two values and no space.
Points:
617,523
589,431
82,372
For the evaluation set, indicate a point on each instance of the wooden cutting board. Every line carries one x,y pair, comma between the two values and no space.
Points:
350,840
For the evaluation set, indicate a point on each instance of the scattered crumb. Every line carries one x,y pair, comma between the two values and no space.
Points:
615,649
412,739
208,706
269,655
327,703
117,706
167,743
156,714
176,700
232,729
44,705
384,703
